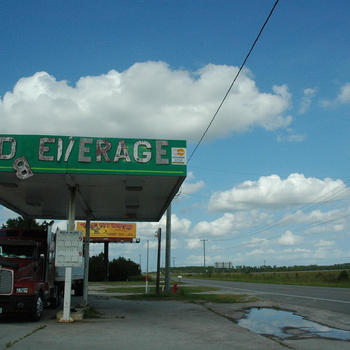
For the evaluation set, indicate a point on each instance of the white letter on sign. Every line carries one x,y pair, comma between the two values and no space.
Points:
122,152
147,155
22,167
161,152
43,148
102,147
83,150
13,147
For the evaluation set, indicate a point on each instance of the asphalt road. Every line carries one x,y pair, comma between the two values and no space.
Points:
322,298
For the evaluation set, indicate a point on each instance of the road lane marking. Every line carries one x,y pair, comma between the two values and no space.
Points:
281,294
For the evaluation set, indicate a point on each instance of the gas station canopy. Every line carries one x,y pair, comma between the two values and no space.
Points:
112,179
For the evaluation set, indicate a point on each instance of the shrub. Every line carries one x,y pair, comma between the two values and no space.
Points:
119,269
343,276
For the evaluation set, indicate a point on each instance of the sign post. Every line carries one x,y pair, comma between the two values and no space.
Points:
69,253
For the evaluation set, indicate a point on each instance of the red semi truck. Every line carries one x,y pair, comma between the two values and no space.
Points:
27,271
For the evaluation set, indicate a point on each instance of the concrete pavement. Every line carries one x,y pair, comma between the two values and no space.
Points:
164,324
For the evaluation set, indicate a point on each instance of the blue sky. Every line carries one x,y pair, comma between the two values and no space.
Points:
269,183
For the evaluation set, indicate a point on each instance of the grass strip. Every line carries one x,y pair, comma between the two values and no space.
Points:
197,294
91,312
339,279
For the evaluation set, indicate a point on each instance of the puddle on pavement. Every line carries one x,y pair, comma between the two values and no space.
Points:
285,324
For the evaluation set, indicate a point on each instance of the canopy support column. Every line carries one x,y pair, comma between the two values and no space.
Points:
168,250
86,260
68,278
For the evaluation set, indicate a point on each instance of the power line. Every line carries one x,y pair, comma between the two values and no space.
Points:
234,80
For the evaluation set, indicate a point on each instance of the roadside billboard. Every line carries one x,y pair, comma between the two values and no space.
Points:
109,231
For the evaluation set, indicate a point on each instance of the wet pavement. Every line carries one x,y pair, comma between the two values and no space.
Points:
286,324
294,327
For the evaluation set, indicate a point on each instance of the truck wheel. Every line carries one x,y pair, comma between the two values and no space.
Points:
37,310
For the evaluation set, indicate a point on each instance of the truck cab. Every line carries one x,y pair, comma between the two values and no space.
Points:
27,271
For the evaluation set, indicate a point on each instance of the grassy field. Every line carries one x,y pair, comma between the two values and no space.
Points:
198,294
338,279
135,290
332,278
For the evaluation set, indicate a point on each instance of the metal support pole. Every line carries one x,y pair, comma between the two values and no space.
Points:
159,235
106,262
204,240
168,249
68,277
86,260
147,290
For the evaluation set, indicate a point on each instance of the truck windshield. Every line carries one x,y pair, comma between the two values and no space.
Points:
17,251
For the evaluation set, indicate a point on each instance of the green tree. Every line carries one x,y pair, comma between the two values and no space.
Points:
343,276
96,267
21,222
121,269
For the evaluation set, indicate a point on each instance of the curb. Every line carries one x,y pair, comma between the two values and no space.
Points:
75,314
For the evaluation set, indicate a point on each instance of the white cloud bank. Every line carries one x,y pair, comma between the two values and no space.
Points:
190,187
309,94
272,191
343,97
148,100
289,239
229,224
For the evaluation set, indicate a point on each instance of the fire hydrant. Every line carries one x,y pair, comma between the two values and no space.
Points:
174,288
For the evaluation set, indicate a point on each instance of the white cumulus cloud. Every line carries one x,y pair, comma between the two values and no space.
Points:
323,243
289,239
272,191
309,94
178,226
219,227
342,98
193,243
148,100
189,186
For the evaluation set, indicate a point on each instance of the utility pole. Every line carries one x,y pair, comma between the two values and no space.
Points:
86,259
147,291
204,240
168,249
106,261
159,235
